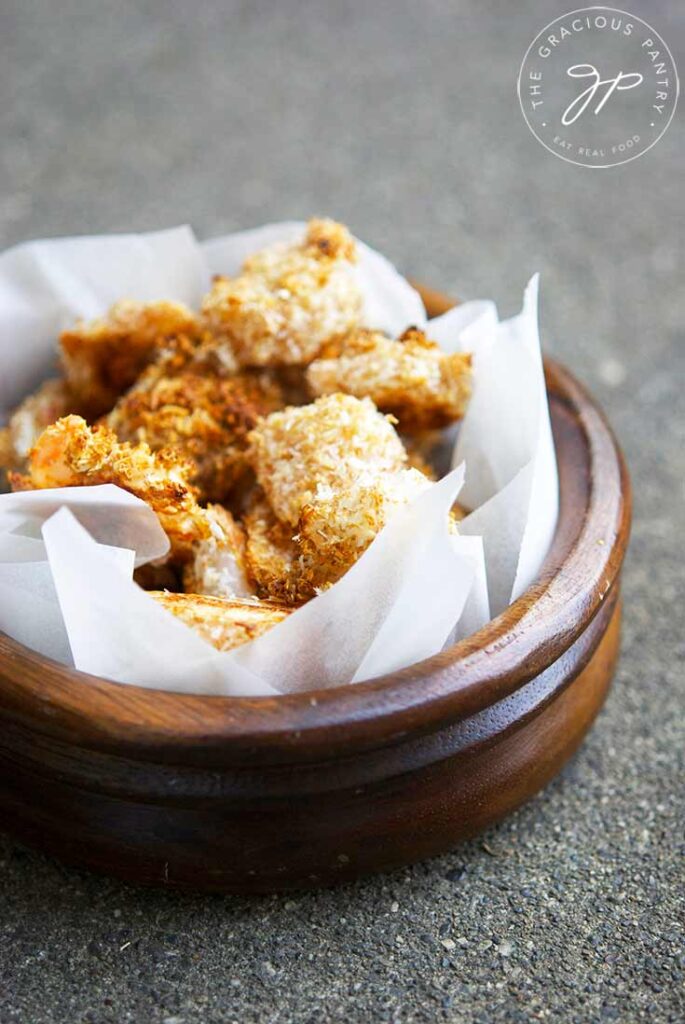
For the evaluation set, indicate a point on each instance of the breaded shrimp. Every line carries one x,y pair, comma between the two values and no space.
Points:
28,421
412,378
71,454
103,357
329,442
289,300
202,414
336,527
218,567
225,624
273,557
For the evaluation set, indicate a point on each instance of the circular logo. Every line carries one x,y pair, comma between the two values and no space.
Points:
598,87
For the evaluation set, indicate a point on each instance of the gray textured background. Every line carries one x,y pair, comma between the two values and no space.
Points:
401,119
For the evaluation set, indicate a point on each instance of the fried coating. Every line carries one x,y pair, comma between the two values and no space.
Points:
412,378
52,400
273,557
336,527
71,454
222,623
333,531
103,357
218,567
329,442
289,300
205,416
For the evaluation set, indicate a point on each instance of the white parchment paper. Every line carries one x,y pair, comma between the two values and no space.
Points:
67,557
506,442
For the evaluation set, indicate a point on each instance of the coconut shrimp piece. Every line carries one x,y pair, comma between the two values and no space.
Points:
289,300
71,454
218,567
336,527
412,377
333,531
205,416
329,442
103,357
225,624
28,421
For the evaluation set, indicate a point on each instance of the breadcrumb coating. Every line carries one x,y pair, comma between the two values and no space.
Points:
206,416
273,557
331,441
289,300
28,421
412,377
103,357
336,527
333,531
71,454
224,624
218,567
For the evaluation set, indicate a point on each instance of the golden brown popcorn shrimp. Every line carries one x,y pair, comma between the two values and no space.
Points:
206,416
218,567
331,441
225,624
71,454
103,357
412,377
289,300
28,421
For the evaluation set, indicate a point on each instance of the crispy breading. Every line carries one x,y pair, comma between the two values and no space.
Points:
70,454
206,416
273,558
218,567
289,300
331,441
103,357
224,624
412,377
336,527
52,400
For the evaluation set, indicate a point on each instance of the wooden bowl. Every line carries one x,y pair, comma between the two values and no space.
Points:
253,795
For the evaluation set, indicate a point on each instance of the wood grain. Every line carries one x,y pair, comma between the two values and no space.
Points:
241,794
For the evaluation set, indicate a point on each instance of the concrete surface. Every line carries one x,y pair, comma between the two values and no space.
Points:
401,119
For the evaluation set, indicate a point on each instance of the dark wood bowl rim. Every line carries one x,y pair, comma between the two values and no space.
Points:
476,673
